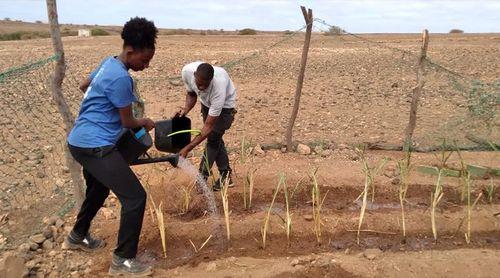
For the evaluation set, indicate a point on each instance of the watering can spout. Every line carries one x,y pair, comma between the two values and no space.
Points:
172,159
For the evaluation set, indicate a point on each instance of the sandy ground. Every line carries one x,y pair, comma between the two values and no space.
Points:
354,92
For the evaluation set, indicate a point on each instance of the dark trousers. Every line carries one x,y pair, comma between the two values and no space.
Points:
215,149
105,169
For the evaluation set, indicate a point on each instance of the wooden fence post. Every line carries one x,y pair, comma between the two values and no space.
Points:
58,97
417,92
308,17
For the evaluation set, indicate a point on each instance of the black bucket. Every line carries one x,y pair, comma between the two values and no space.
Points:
172,144
131,147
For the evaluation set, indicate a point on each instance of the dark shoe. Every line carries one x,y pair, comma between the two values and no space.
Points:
129,267
222,182
87,244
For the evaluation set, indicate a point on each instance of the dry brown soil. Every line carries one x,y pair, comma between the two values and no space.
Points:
353,92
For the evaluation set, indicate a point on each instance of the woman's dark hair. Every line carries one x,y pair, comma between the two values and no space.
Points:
139,33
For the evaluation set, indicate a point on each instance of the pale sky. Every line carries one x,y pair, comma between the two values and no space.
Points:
357,16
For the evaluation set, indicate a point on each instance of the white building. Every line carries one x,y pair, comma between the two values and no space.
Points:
84,33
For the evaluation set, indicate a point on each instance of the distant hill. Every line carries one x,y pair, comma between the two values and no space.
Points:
19,30
16,30
28,30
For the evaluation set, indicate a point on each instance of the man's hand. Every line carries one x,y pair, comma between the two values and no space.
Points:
190,102
184,152
181,112
148,124
205,131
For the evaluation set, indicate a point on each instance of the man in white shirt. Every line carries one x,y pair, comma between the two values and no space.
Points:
218,99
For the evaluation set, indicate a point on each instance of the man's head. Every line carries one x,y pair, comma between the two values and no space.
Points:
139,38
203,76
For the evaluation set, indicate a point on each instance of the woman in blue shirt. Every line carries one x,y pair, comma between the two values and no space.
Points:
106,109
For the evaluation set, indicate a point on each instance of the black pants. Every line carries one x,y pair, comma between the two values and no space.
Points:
104,169
215,149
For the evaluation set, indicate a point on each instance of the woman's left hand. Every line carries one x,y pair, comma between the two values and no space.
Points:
148,124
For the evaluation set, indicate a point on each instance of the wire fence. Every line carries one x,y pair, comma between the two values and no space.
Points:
34,180
356,90
470,104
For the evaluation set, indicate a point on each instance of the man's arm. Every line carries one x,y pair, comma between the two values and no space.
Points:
205,131
188,105
85,84
128,120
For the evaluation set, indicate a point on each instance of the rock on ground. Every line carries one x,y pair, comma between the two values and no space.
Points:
258,151
303,149
372,253
38,238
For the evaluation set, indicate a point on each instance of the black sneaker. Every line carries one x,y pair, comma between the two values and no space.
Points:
87,244
221,182
129,267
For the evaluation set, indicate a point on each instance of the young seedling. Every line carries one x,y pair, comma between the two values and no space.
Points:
152,213
158,212
370,174
161,227
288,217
245,192
248,186
186,196
244,150
265,226
151,203
225,205
205,162
317,203
469,216
296,187
490,190
404,168
196,250
468,183
470,205
373,173
465,175
444,154
435,198
287,220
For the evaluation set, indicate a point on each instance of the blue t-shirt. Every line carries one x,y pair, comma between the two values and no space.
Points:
99,123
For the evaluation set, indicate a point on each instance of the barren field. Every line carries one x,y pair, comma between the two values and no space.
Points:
354,92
